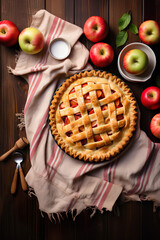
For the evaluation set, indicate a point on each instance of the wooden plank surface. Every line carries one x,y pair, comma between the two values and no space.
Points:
19,214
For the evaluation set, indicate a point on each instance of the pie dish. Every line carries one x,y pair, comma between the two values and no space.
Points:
93,116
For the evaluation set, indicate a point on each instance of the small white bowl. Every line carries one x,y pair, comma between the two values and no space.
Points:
59,48
151,63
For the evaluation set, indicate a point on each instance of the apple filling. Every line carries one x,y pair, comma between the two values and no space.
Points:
84,141
112,91
84,84
87,98
66,120
69,133
73,103
118,103
77,116
72,91
81,128
97,138
62,106
120,117
104,107
107,120
109,133
90,111
100,94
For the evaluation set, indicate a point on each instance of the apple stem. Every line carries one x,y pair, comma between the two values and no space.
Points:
27,42
101,51
95,27
3,31
149,32
150,95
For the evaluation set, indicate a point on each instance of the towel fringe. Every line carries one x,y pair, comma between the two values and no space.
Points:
20,116
42,214
9,69
58,217
31,192
93,212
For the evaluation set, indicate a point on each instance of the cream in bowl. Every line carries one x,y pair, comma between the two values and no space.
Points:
136,62
59,49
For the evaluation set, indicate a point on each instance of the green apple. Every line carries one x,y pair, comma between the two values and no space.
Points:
135,61
31,40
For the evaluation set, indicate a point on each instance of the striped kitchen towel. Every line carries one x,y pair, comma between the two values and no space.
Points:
61,183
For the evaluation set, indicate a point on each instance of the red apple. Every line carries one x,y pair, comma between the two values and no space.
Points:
95,29
150,97
8,33
101,54
149,32
155,125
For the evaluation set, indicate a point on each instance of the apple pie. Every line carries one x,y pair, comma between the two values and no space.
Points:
93,116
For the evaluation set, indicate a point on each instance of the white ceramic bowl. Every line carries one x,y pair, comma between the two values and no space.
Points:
59,48
151,63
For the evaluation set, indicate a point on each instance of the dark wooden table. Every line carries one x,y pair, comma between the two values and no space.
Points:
20,217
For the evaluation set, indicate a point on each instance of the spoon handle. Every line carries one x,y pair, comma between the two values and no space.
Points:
23,181
14,182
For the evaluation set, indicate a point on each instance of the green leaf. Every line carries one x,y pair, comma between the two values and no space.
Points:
133,28
124,21
121,38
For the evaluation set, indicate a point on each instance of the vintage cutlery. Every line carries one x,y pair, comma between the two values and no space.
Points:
18,159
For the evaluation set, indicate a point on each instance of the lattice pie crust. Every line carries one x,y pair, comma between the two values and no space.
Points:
93,116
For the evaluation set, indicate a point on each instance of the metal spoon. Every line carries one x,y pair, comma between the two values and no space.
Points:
18,159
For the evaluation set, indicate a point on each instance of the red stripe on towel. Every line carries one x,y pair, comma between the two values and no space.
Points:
140,177
47,170
57,165
33,92
79,173
38,133
150,169
80,170
107,172
56,151
104,196
38,142
114,171
52,155
97,199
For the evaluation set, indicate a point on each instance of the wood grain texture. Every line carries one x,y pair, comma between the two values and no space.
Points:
19,214
63,9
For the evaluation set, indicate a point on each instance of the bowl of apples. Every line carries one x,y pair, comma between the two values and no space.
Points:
136,62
